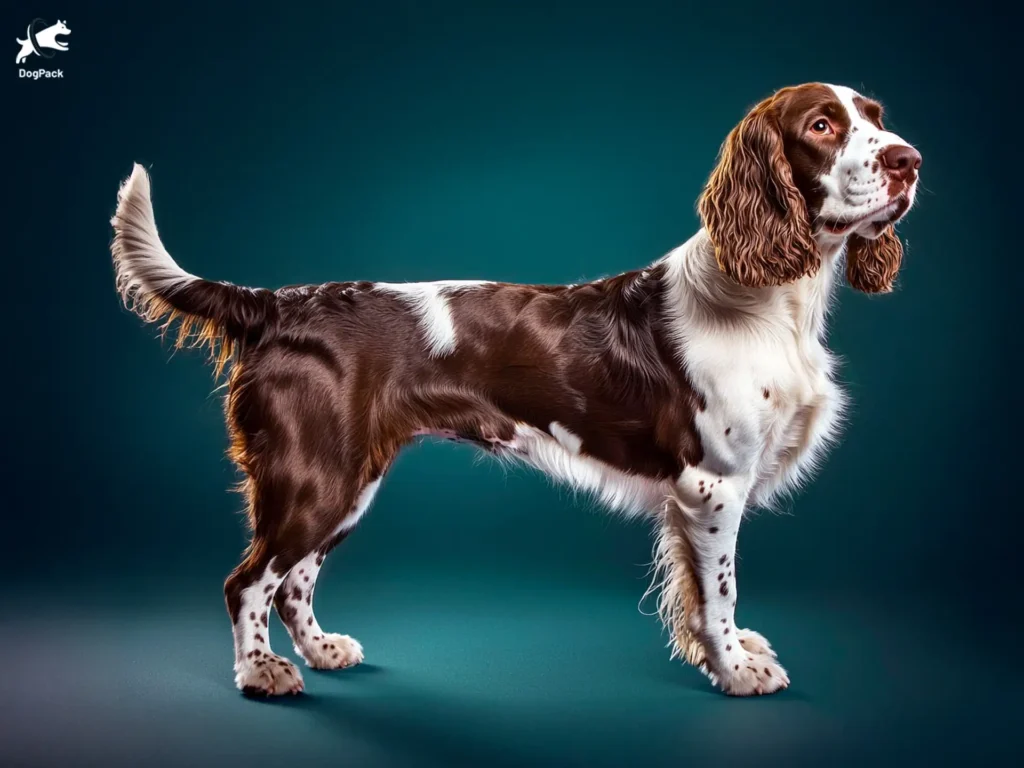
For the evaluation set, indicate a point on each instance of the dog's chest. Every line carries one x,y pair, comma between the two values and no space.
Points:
770,404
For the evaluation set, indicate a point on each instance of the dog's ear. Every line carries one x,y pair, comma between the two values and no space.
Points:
755,216
872,265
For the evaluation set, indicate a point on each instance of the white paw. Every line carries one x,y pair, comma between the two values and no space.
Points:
754,642
268,675
330,651
755,674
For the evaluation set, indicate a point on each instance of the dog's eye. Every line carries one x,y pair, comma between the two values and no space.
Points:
821,127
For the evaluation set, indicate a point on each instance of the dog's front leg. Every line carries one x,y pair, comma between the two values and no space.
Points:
701,527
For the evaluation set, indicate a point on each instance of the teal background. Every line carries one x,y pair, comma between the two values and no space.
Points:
533,142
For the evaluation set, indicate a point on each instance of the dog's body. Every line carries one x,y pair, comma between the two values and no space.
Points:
688,391
47,38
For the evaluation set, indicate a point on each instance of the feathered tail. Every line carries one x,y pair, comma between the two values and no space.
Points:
212,314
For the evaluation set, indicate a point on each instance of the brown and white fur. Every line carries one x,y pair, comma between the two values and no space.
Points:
688,392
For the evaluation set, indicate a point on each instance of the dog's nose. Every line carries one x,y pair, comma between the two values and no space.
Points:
900,161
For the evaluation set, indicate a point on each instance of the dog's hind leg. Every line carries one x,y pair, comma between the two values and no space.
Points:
311,461
249,591
294,601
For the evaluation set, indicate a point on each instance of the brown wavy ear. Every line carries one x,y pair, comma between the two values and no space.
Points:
755,216
872,265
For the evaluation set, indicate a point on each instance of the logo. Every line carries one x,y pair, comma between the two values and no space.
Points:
41,40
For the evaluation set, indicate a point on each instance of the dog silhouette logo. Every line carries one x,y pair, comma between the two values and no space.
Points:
42,40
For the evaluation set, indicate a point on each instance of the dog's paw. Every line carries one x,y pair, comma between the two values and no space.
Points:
330,651
755,674
268,675
755,642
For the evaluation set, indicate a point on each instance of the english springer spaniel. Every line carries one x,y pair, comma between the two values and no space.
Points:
687,392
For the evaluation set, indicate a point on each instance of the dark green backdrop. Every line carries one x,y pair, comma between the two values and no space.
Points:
531,142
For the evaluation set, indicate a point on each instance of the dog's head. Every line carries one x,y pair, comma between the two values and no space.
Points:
810,166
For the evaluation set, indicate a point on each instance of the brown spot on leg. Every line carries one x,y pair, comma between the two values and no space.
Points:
719,507
713,529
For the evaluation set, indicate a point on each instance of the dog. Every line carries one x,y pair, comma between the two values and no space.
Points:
45,38
687,392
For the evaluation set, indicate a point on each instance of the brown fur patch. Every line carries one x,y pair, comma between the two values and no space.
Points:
759,202
872,265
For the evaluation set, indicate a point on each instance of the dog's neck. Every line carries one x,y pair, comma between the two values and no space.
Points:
703,296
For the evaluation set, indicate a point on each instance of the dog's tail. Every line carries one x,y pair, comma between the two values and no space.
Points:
212,314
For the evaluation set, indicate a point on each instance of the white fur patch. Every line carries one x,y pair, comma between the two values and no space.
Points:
362,504
143,265
256,666
621,491
856,185
430,300
772,407
567,439
319,649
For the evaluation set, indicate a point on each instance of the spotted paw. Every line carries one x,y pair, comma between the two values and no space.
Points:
755,642
268,675
755,674
329,651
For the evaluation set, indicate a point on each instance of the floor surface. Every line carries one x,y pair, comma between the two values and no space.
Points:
517,675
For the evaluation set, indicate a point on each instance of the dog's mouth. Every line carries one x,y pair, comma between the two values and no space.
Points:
880,217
